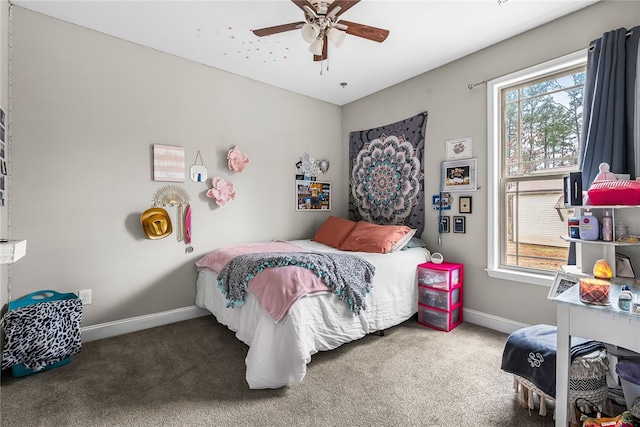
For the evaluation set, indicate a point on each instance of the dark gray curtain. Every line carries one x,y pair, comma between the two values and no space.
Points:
609,107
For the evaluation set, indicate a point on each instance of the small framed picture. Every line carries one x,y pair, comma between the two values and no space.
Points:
561,283
313,196
459,175
459,224
459,148
441,201
168,163
464,205
444,224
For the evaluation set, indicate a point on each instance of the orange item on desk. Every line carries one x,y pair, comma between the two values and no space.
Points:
594,291
602,269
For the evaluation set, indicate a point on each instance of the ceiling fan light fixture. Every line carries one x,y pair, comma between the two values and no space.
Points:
322,22
336,36
310,32
316,47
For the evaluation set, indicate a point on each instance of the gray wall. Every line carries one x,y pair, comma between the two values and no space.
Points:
87,108
4,103
454,112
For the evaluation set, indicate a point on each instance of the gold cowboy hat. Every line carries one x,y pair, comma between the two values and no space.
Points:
156,223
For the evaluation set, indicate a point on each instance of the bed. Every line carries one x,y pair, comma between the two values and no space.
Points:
279,350
386,208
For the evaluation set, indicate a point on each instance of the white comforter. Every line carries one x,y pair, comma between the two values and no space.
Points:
279,352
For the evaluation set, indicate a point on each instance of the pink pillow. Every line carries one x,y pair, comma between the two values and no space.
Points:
368,237
333,231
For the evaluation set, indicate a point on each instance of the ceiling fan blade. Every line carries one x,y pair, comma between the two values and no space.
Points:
365,31
302,3
344,6
324,50
261,32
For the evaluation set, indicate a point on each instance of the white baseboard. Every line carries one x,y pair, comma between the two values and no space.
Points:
492,322
133,324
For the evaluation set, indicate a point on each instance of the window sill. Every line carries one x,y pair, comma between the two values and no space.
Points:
519,276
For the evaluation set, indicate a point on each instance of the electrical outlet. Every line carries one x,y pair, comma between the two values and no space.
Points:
85,296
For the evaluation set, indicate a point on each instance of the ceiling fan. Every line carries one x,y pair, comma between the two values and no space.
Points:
322,23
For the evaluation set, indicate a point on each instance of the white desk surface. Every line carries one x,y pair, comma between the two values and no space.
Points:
603,323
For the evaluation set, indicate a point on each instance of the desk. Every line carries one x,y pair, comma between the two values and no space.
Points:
603,323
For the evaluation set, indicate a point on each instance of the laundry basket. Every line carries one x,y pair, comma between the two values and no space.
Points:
530,355
629,373
38,301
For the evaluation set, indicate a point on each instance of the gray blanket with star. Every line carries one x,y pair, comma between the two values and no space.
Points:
348,276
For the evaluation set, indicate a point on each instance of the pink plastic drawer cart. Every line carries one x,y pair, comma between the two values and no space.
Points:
440,295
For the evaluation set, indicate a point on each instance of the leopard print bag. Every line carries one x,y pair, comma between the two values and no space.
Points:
39,335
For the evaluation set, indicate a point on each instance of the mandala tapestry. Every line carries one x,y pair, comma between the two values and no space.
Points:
386,174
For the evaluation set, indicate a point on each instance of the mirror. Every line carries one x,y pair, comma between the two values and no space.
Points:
198,173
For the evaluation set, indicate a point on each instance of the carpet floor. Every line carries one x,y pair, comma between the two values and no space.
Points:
191,373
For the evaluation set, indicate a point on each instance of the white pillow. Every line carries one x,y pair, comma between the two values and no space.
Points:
403,241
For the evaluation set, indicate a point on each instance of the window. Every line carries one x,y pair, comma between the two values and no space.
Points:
534,126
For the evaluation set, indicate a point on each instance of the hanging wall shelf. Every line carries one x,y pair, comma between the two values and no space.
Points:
12,250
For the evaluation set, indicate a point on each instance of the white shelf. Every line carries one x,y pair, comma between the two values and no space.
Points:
591,207
12,250
590,251
598,242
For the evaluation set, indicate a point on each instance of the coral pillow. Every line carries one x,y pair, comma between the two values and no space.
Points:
368,237
333,231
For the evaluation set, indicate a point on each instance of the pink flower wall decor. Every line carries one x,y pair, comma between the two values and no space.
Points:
237,160
222,192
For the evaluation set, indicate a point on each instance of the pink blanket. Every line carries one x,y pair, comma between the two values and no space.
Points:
277,289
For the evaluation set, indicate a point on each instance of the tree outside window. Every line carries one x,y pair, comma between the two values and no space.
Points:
535,131
542,125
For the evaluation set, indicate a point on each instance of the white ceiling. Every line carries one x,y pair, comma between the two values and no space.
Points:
423,35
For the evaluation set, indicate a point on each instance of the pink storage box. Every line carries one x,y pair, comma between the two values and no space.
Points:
443,300
438,319
440,276
614,193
